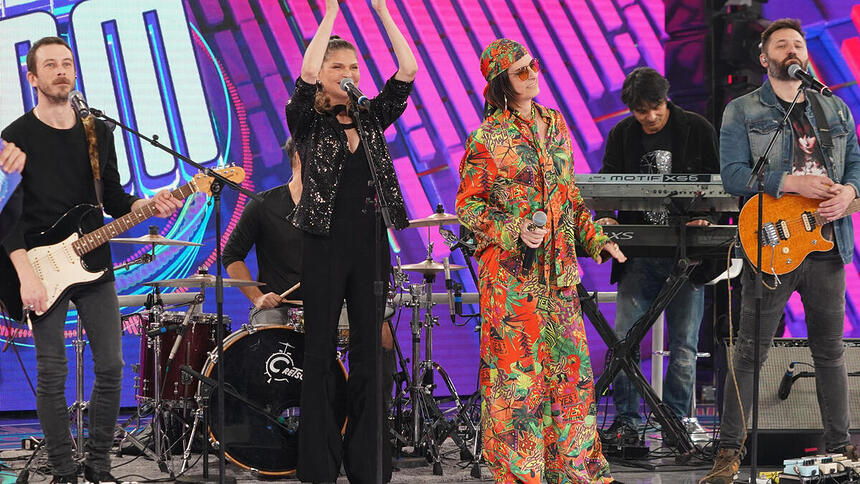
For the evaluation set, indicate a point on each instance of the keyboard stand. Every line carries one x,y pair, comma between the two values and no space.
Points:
623,351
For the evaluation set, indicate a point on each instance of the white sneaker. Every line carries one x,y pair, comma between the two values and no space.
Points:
695,430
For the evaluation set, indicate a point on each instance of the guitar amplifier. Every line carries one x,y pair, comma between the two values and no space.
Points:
792,426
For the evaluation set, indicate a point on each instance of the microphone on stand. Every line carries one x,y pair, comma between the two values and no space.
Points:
538,222
787,381
800,74
181,330
349,86
76,99
163,329
449,285
458,299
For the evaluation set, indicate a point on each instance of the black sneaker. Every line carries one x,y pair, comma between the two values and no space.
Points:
94,476
68,479
621,433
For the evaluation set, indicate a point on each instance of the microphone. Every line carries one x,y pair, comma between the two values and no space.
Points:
349,86
448,286
787,381
163,329
76,99
458,300
538,222
800,74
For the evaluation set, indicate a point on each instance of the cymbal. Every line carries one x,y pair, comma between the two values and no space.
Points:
154,239
430,266
435,219
201,281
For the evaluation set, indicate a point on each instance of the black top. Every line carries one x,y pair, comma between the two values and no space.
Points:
355,188
322,146
276,242
58,176
693,144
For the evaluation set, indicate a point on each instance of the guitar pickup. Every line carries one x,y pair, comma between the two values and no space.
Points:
808,221
782,229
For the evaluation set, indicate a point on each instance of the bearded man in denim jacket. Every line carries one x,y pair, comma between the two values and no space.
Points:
801,164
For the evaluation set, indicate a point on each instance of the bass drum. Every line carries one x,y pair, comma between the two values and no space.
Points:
264,365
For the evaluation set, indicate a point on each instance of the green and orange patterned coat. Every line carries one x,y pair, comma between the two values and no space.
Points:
538,410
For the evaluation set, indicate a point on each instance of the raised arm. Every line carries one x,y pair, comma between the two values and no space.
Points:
407,66
313,59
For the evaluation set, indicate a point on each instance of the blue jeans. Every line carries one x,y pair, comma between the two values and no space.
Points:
639,284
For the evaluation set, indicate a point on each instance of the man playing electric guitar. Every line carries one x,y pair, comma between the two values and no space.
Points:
814,163
61,152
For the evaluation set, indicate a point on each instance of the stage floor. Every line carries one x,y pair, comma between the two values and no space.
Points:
140,469
131,469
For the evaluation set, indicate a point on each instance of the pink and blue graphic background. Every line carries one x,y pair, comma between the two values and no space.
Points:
248,54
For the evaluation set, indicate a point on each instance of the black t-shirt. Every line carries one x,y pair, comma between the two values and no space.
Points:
807,159
660,141
657,158
277,243
58,176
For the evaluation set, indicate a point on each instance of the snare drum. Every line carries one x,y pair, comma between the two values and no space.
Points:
343,322
289,316
264,365
197,340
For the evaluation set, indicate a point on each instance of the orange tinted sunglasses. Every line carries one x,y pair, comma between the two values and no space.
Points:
523,72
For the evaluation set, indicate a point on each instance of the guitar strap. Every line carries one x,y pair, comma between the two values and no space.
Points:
93,148
824,139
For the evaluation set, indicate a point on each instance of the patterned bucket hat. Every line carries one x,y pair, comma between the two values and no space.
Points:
499,55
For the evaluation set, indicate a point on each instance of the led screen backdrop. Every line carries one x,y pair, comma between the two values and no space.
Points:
211,79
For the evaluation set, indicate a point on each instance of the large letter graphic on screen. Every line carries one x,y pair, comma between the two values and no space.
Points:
128,53
15,32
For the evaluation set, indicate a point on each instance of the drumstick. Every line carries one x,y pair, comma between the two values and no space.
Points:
290,290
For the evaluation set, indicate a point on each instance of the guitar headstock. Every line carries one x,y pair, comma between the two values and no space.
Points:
203,182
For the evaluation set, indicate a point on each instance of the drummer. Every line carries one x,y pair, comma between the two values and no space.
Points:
278,245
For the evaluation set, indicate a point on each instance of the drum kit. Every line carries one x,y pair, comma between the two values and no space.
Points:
263,374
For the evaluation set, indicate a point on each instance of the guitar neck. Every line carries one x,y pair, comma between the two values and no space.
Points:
97,237
854,206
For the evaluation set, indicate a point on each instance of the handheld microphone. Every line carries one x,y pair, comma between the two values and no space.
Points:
787,381
797,72
76,99
163,329
449,286
538,222
349,86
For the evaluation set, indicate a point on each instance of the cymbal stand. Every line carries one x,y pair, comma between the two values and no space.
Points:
156,310
425,409
77,408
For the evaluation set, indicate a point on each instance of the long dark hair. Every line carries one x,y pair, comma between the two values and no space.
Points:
499,93
322,102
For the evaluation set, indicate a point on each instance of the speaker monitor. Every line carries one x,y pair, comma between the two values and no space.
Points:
792,427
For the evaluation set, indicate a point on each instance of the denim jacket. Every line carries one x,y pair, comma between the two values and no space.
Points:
748,124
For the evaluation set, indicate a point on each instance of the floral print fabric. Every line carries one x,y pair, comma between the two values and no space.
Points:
538,411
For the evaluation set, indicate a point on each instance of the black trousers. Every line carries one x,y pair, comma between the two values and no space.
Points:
337,267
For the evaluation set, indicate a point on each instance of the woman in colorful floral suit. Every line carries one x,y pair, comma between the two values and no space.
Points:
538,412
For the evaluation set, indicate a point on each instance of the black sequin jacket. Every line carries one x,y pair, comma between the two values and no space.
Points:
322,146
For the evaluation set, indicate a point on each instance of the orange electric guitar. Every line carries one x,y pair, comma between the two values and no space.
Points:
792,228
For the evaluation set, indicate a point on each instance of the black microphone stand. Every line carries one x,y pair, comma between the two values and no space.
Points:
382,209
218,182
757,177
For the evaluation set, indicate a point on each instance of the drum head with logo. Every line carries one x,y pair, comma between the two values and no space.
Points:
265,367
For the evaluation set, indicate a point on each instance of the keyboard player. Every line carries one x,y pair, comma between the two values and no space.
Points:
659,137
